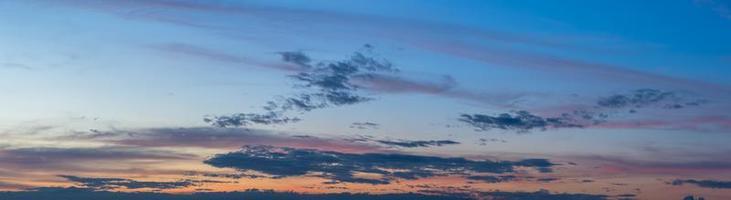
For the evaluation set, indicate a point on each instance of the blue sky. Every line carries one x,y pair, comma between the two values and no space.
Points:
578,69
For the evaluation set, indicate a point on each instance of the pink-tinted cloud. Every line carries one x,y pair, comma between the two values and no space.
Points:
698,123
420,34
189,50
219,138
563,66
614,164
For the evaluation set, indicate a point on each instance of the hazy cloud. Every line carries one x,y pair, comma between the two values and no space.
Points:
50,156
212,137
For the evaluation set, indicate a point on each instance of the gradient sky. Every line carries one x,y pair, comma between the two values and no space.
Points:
622,97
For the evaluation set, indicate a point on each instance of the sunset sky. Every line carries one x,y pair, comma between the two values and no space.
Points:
474,99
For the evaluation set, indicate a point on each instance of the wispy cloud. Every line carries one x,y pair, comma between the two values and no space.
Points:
442,38
195,51
322,85
561,66
698,164
217,138
15,66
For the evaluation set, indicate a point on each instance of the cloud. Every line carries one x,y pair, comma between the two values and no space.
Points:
417,143
322,85
449,39
246,119
601,114
697,123
12,186
49,156
520,121
543,194
88,194
540,194
561,65
218,138
691,197
118,183
22,162
714,184
683,163
15,66
492,179
298,61
195,51
484,141
647,97
296,57
364,125
394,84
345,167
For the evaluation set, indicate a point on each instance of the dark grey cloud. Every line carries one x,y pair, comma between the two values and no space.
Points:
715,184
520,121
501,195
246,119
601,112
90,194
647,98
342,167
417,143
492,179
543,194
224,175
508,178
691,197
321,85
119,183
296,57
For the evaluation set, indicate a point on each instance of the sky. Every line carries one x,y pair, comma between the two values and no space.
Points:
437,99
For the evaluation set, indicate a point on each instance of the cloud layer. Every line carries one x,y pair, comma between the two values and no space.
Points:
345,167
